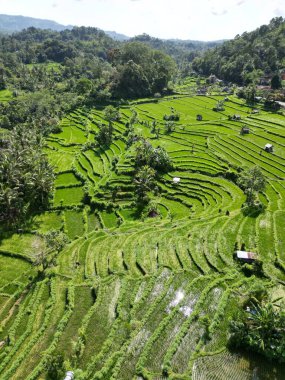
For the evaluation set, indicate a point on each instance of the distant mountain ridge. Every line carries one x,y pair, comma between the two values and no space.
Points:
10,24
117,36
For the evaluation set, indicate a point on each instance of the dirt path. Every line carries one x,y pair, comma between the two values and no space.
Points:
11,311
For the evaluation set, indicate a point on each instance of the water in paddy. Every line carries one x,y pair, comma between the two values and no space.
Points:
259,368
237,366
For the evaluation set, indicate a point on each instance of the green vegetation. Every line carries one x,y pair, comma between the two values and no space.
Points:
131,287
260,328
252,181
118,259
26,177
248,57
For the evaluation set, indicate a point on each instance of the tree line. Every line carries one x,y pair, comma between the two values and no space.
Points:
247,57
26,177
83,60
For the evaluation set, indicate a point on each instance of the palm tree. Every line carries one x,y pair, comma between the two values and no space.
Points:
26,177
144,181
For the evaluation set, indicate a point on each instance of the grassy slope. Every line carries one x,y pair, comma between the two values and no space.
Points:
130,297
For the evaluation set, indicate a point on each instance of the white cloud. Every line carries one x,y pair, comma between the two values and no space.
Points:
221,13
185,19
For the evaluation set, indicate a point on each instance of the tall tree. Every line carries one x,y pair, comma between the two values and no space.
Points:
26,177
252,181
276,82
144,182
260,328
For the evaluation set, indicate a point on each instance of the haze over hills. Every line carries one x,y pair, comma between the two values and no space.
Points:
182,51
10,24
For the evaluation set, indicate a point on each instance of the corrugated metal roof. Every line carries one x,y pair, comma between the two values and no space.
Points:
246,255
69,375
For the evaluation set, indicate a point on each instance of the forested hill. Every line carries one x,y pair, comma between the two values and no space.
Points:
46,74
183,51
170,45
248,56
10,24
84,61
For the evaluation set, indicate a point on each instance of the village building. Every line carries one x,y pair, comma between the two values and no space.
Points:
202,91
265,80
212,79
281,104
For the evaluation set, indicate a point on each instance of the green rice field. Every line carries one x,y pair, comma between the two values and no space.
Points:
128,296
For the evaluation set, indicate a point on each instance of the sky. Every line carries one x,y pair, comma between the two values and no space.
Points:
205,20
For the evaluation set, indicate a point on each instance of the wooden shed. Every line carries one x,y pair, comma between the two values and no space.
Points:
245,256
176,180
268,148
244,130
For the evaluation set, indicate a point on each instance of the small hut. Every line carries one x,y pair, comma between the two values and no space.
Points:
212,79
244,130
176,180
248,257
199,117
268,148
69,375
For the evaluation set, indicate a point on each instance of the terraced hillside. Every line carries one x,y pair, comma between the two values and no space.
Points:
147,298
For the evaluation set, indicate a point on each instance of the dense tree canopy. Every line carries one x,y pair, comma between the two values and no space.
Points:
141,71
26,177
248,56
157,158
252,181
260,328
49,73
144,182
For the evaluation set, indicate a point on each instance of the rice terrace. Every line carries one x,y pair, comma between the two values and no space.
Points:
148,296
